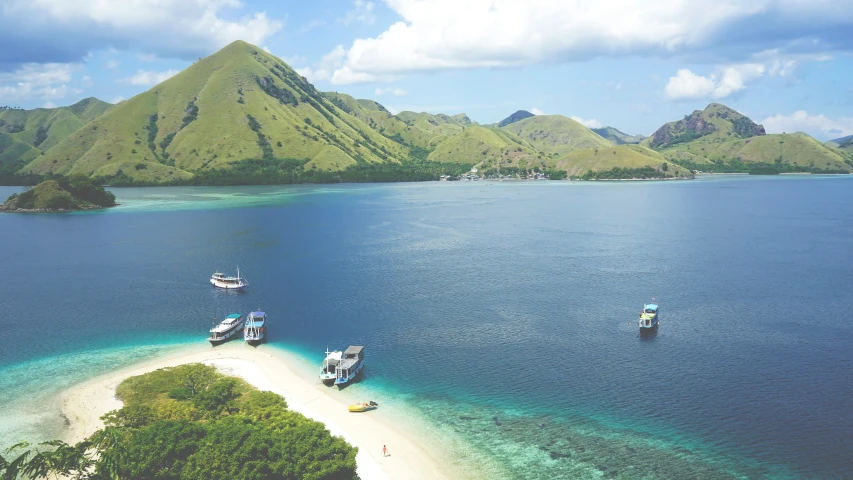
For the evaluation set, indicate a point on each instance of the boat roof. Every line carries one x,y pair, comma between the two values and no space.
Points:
353,350
233,315
652,306
258,314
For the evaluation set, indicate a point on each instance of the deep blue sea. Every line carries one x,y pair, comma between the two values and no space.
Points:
504,312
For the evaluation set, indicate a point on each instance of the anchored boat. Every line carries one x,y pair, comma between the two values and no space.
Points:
649,317
221,280
350,365
330,365
226,329
255,330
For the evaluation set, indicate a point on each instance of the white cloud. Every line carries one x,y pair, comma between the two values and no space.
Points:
536,111
362,12
117,99
148,77
69,29
449,34
323,69
49,104
591,123
397,92
146,57
86,81
111,64
686,85
36,82
819,126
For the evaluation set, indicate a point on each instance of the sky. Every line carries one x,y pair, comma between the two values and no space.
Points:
630,64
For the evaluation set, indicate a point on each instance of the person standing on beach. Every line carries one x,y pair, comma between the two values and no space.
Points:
384,451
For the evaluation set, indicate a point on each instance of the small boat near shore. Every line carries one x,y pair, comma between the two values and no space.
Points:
255,330
350,365
220,280
362,406
226,329
330,365
649,317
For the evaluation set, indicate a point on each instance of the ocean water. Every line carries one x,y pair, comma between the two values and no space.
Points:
502,313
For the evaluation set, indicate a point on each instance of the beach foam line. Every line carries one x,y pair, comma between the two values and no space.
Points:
270,369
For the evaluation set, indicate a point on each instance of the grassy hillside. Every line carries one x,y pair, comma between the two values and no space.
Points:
24,134
618,137
237,105
632,161
786,152
719,139
483,146
716,123
555,135
845,144
378,118
515,117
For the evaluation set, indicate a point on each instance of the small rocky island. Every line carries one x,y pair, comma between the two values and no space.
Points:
61,195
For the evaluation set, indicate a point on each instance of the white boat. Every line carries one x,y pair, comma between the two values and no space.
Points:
255,330
330,364
649,317
220,280
225,329
350,366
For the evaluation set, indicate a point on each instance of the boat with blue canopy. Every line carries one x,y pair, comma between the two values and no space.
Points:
255,330
649,317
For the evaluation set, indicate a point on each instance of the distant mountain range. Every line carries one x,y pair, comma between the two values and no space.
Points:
242,116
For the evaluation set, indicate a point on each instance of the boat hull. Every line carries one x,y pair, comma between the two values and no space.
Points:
343,381
226,336
256,341
228,286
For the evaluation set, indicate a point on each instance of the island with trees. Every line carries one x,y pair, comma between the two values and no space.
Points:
191,422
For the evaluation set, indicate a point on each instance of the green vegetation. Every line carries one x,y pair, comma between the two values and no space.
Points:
515,117
621,161
26,134
555,134
190,422
717,123
720,140
617,173
71,193
618,137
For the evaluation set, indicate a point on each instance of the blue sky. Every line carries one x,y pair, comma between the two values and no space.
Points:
631,64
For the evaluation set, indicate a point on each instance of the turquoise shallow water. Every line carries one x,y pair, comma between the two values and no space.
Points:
501,312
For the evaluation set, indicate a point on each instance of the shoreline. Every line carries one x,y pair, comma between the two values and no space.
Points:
410,455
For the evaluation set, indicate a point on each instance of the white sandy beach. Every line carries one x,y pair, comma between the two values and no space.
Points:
269,369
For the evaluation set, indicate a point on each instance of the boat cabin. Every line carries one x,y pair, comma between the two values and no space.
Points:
651,309
351,360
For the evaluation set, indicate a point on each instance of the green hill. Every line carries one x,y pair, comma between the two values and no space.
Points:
378,118
718,139
484,146
618,137
618,162
24,134
716,123
71,193
845,144
555,135
240,112
515,117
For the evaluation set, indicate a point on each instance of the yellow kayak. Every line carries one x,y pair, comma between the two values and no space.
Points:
362,406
